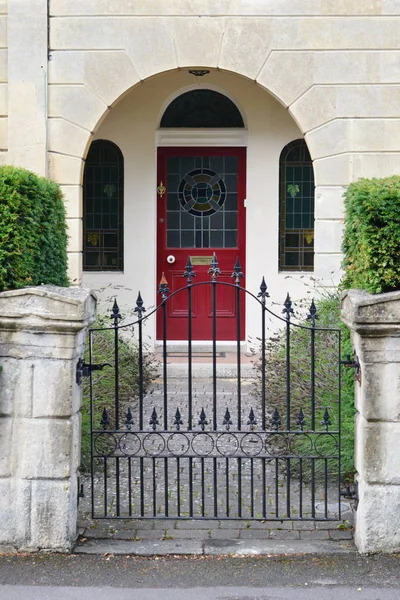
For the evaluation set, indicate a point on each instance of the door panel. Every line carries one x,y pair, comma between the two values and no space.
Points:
201,211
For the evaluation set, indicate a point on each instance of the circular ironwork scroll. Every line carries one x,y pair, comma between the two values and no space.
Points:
202,192
202,444
251,444
153,444
276,444
105,444
178,444
227,444
301,445
326,445
129,444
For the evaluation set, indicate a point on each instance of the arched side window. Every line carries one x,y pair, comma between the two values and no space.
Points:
202,108
103,182
296,208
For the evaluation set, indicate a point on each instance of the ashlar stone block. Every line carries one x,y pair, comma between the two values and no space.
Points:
109,74
67,138
246,45
198,41
376,460
76,104
273,75
329,202
149,44
377,519
65,169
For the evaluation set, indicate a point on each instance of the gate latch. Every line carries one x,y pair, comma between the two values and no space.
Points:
84,369
351,493
352,364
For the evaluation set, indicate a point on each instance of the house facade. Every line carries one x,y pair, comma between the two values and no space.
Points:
182,128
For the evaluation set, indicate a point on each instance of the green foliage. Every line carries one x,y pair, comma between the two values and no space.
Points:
371,242
326,380
104,381
33,238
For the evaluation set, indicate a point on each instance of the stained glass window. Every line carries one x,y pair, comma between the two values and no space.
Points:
202,201
202,108
103,208
296,240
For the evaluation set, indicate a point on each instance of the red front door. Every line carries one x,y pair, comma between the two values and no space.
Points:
201,211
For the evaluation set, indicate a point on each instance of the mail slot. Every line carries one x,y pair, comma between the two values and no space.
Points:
201,260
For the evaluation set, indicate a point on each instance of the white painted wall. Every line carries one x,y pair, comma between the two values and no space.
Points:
133,124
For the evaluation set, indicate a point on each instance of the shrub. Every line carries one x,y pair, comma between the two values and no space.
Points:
371,242
104,381
33,238
326,379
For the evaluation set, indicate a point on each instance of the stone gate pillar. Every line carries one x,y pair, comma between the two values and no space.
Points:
374,321
42,332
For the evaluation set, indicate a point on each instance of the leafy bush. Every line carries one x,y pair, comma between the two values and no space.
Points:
371,243
104,381
33,238
326,379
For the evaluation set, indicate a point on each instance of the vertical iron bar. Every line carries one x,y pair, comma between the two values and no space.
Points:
166,486
190,416
301,487
239,463
239,381
190,487
252,488
117,482
116,377
91,422
154,489
215,488
288,398
288,475
227,485
263,366
264,489
326,486
141,486
276,487
313,488
165,385
130,486
313,375
141,375
214,334
202,488
105,487
178,485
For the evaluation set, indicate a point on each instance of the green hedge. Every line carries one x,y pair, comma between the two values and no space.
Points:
371,242
33,237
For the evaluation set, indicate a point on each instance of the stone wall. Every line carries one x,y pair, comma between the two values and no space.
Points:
375,325
42,332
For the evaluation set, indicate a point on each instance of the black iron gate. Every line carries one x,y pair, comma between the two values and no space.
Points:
265,449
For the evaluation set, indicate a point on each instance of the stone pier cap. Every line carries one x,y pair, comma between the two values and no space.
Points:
45,307
371,314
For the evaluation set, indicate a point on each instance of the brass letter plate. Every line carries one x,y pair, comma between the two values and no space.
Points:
201,260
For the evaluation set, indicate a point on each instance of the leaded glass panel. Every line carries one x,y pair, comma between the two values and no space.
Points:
102,207
202,108
296,208
202,202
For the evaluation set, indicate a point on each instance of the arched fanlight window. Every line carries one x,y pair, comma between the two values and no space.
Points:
202,108
103,208
296,208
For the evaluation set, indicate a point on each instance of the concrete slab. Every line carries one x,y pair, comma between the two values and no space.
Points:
141,547
216,547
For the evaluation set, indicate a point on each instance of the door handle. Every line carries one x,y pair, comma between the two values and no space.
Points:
171,259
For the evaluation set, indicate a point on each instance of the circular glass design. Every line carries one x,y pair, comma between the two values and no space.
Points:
202,192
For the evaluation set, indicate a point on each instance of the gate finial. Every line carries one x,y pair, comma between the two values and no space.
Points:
189,273
237,272
115,314
214,270
263,291
163,287
287,310
139,308
312,313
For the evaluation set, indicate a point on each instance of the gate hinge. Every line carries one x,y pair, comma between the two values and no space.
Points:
84,369
351,493
352,364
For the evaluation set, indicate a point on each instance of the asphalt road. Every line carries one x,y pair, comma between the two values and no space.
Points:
323,577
